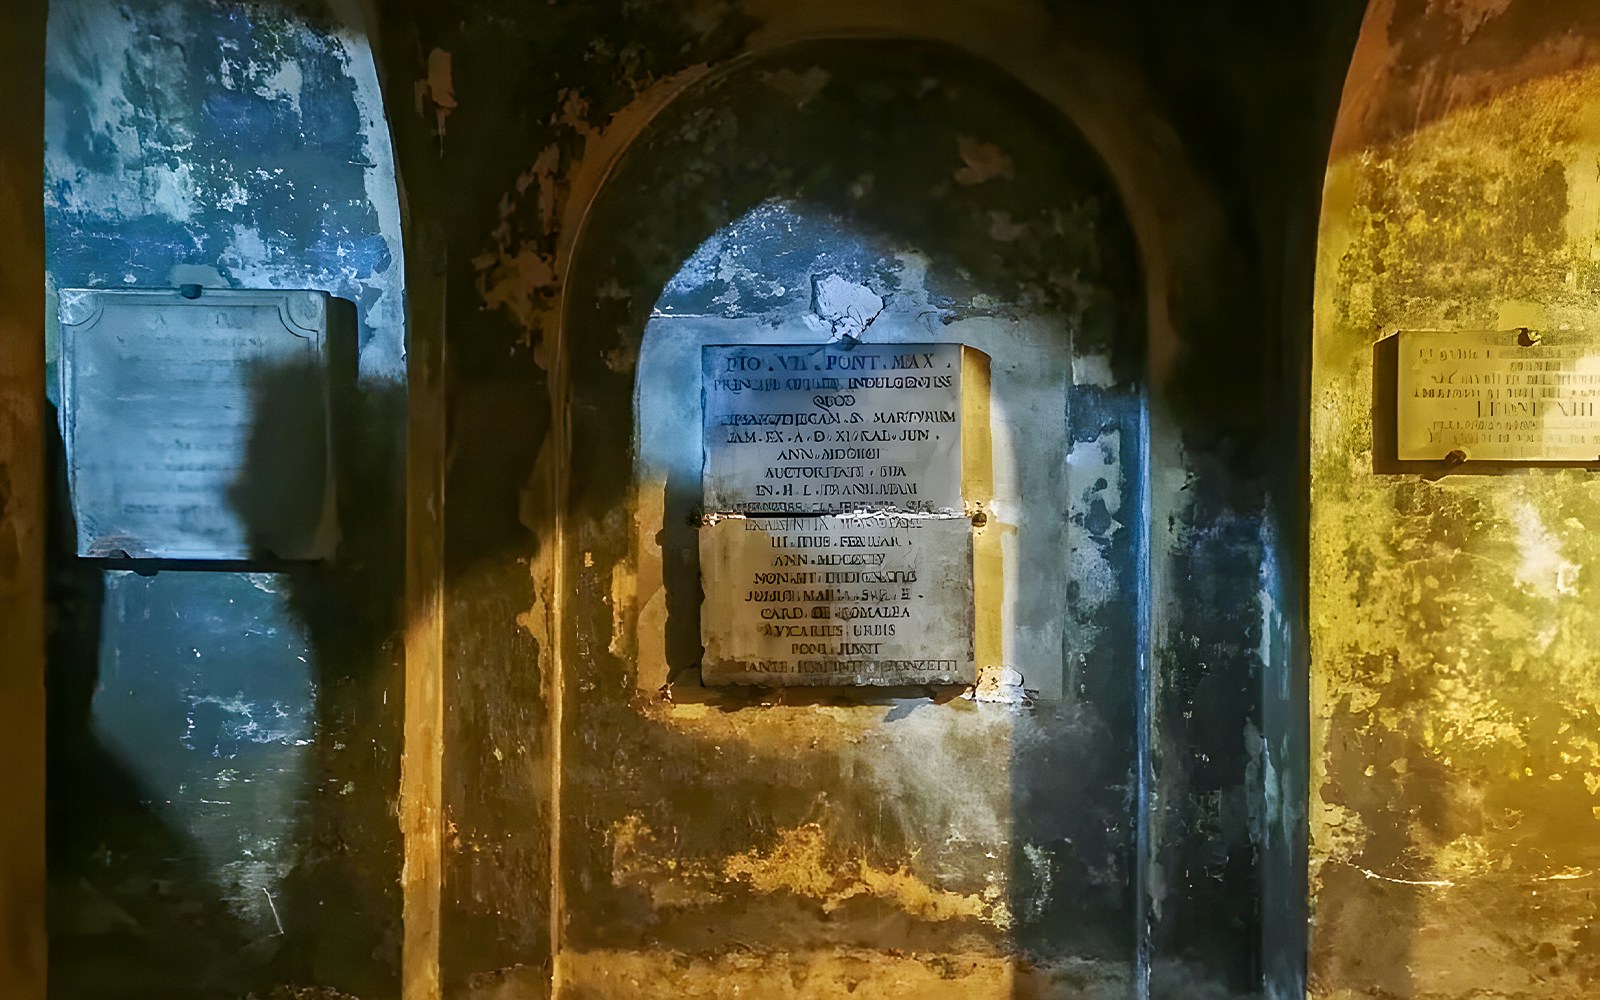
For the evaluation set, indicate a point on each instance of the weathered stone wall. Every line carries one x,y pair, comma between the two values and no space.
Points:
571,830
225,743
861,824
602,840
1456,769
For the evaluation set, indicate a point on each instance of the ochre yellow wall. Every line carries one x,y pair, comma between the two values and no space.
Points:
1455,784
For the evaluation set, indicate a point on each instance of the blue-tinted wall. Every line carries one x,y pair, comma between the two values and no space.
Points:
225,741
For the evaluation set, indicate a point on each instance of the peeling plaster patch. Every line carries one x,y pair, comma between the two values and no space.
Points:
243,721
698,270
621,359
733,258
1470,15
520,273
1271,623
1001,685
234,197
574,113
170,190
799,863
847,307
440,88
639,860
981,161
1094,477
283,84
1264,801
624,587
544,172
1155,886
246,250
385,354
517,284
536,622
1042,868
1342,834
815,973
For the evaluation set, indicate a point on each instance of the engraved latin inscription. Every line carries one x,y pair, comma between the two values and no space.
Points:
835,550
824,430
171,453
1499,396
838,599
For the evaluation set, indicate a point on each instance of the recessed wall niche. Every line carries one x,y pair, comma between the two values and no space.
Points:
835,199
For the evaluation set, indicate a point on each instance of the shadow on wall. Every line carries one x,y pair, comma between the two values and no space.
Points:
133,912
221,787
342,898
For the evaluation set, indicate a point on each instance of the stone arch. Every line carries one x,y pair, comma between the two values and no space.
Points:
593,383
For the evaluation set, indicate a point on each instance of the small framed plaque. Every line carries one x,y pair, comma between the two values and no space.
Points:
197,428
1510,396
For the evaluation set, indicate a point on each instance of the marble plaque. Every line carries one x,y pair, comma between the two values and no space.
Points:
821,429
1505,396
197,428
836,550
856,599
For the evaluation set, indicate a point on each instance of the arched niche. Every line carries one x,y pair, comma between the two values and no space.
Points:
1001,825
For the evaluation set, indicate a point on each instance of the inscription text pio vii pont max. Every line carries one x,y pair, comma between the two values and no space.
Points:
836,549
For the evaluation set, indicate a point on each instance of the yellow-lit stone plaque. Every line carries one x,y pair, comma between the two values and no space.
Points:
1498,396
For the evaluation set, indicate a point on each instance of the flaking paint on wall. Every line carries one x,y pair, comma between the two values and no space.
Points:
516,195
243,725
1454,799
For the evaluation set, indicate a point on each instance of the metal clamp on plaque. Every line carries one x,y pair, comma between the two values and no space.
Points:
196,425
836,548
1511,396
